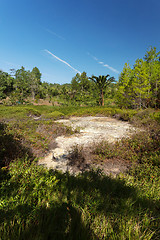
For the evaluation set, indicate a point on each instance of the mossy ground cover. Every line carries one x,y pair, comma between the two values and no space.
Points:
36,203
29,130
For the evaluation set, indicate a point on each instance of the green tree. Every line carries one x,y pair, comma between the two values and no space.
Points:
140,87
102,82
155,85
141,84
124,93
153,62
81,88
6,84
35,81
22,84
37,74
151,55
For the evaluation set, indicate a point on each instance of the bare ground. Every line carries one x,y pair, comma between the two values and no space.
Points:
74,153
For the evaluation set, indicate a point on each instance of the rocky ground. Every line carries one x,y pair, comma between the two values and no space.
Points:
72,153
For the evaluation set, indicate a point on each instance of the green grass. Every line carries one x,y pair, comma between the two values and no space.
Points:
52,112
36,203
41,204
28,129
35,138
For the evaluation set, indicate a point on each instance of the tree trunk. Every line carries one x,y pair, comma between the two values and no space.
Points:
102,97
33,94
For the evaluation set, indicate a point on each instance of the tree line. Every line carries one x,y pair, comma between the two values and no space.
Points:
22,84
137,87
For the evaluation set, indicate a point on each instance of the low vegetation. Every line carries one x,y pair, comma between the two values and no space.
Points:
36,203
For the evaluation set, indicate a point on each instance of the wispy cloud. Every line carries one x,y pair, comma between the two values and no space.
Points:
55,34
62,61
92,56
102,63
9,65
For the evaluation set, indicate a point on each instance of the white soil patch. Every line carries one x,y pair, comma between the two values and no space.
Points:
92,130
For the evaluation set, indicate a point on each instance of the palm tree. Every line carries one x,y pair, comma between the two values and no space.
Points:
102,82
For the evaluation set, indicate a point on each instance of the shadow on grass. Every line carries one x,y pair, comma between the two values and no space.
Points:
90,194
11,148
58,222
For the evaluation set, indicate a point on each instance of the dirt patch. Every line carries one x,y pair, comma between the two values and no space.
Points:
83,158
73,153
41,102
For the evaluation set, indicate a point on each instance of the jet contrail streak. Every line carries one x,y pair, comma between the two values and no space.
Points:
61,61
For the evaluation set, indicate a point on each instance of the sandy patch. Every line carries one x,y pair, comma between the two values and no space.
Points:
92,130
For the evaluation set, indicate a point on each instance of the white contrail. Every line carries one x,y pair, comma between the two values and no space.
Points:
111,68
104,65
92,56
62,61
55,34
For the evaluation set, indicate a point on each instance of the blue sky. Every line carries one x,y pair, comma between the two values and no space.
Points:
63,37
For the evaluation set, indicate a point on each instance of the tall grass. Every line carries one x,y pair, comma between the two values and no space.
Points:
41,204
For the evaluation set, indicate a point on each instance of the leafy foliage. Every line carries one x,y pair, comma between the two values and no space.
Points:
140,87
102,82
